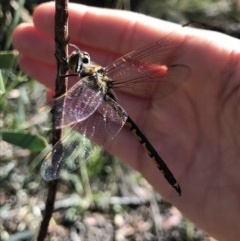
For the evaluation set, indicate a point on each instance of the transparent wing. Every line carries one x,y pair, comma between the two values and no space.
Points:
102,126
68,154
105,123
150,67
78,104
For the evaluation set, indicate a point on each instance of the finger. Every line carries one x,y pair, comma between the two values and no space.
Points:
34,44
98,27
40,47
126,31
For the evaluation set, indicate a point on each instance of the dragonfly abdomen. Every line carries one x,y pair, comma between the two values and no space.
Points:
153,154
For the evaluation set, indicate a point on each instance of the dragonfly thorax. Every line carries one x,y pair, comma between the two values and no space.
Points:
97,79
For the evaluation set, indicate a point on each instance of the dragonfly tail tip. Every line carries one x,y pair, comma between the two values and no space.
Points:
178,189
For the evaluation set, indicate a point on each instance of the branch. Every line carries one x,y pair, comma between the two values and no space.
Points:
61,17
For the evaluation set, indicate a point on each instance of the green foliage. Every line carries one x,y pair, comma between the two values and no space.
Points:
8,59
15,105
219,15
2,86
34,143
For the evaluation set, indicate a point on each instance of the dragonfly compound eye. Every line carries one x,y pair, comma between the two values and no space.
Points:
86,58
74,62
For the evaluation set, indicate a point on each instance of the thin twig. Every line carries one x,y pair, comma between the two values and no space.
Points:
61,16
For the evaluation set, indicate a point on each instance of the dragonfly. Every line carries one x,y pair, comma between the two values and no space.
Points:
90,106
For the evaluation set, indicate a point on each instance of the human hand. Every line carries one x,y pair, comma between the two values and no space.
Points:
195,129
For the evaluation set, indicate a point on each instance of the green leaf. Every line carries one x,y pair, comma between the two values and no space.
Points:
2,86
8,59
34,143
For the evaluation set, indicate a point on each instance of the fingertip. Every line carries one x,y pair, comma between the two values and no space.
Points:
33,43
19,34
44,8
43,17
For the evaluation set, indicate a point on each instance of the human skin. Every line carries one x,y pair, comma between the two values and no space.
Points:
195,129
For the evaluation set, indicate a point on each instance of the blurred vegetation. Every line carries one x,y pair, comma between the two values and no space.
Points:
219,15
23,124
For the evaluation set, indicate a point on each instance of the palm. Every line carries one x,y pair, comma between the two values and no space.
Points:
195,129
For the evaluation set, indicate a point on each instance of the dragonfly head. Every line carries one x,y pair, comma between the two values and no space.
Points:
78,61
